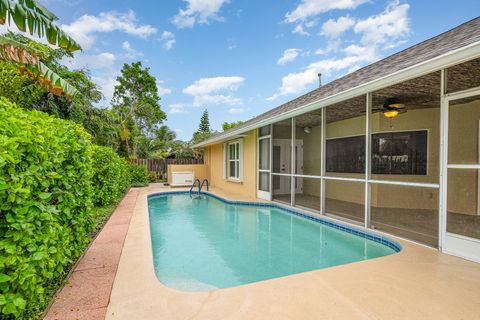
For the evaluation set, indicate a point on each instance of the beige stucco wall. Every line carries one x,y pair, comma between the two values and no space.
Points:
200,170
214,159
410,197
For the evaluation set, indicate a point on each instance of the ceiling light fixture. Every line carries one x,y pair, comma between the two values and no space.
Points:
391,113
392,108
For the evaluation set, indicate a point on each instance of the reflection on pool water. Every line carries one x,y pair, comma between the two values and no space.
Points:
205,243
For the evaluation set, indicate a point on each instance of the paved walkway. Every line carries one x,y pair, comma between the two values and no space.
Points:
87,293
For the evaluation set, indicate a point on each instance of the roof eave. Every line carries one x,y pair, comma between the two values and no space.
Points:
446,60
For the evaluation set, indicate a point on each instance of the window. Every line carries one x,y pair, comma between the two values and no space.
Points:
233,163
346,155
400,153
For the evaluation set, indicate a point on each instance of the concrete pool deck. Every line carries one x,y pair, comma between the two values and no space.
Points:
417,283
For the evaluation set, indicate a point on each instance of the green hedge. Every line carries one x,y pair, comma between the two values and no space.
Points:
111,177
51,176
138,174
45,203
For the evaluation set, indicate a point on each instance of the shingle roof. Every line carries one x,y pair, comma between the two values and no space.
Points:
453,39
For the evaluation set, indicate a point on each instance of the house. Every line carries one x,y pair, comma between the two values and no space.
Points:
393,146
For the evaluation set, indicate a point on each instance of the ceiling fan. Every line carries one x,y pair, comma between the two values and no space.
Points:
391,108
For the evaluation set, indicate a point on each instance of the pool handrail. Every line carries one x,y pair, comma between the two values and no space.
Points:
193,186
204,181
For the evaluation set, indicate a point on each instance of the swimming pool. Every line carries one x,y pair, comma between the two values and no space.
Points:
206,243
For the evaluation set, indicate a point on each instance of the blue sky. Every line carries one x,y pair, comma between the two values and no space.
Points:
241,58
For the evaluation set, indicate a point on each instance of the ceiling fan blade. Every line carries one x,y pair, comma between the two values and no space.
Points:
373,110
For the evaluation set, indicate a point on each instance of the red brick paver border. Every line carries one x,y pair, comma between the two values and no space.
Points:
87,292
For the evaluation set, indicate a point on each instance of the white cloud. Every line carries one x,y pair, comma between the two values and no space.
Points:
334,28
107,85
168,39
215,90
83,29
236,110
104,60
209,85
198,11
162,91
377,33
332,46
176,108
386,28
294,83
288,56
310,8
217,99
131,53
300,30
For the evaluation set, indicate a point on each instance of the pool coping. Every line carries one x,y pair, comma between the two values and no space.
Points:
339,225
396,286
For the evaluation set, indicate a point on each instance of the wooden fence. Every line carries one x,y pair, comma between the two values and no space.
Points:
160,165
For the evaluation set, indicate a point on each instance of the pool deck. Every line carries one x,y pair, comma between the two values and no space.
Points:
417,283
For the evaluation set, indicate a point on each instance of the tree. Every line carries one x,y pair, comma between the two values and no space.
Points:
20,88
183,150
229,125
204,126
136,103
203,131
159,146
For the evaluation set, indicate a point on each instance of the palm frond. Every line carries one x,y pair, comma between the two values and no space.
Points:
30,16
28,58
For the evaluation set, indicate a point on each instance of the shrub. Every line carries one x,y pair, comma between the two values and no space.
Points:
153,176
45,204
111,177
138,174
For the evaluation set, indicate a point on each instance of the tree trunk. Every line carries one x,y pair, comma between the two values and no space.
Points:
128,147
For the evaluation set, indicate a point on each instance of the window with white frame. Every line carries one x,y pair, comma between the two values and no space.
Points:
233,163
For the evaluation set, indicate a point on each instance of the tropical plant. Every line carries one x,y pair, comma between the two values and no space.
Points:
161,143
183,150
136,103
29,16
102,124
18,87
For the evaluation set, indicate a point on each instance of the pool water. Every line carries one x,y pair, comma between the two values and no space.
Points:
204,243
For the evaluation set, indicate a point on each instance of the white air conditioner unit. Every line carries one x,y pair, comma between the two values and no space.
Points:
182,179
